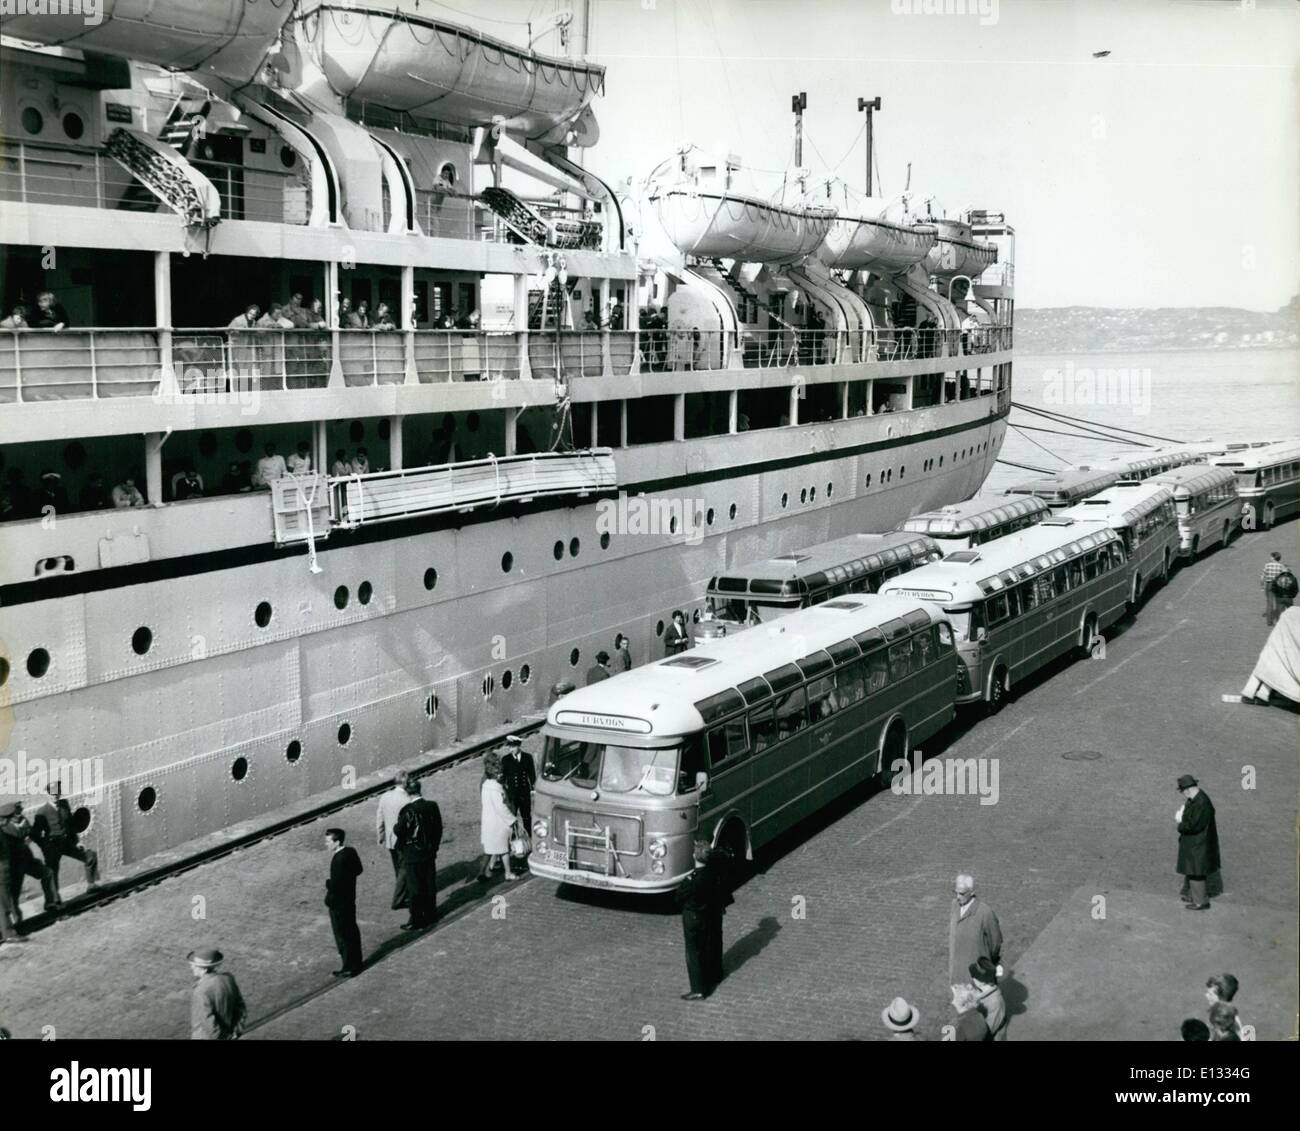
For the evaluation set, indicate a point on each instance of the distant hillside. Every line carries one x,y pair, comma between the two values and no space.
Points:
1086,329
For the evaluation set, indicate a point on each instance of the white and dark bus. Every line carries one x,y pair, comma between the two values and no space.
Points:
1153,461
1208,506
984,519
1144,516
1268,481
1064,488
1023,601
737,742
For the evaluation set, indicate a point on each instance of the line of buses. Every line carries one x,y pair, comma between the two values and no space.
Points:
816,671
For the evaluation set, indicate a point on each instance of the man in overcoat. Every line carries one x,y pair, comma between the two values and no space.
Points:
1198,843
701,896
973,932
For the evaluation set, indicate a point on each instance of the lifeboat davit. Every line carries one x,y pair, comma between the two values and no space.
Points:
442,70
228,39
957,252
728,225
866,243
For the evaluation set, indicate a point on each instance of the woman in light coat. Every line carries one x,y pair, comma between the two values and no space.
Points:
497,826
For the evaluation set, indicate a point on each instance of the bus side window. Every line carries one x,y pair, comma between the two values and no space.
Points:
945,636
900,660
727,743
1090,565
995,609
1061,580
823,700
877,672
1028,597
1013,601
923,643
692,763
1116,555
852,681
1045,587
791,713
1075,568
762,728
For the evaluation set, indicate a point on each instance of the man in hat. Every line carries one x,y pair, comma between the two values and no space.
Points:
51,494
10,916
1198,843
973,932
702,896
17,834
217,1010
518,776
54,831
901,1020
600,670
341,899
419,834
676,639
391,805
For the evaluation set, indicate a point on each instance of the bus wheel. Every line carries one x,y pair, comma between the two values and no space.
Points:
998,691
893,748
1196,547
1090,630
1266,523
1132,602
1227,532
1164,570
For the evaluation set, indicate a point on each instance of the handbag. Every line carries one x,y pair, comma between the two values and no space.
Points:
520,845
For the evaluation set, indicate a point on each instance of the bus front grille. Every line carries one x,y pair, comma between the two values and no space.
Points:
595,841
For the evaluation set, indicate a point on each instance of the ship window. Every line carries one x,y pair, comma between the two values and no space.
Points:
33,120
430,578
574,547
574,656
341,597
830,489
141,640
803,495
941,461
558,550
507,678
732,512
293,752
262,616
431,706
73,126
525,673
708,518
868,482
785,498
148,799
345,734
287,156
659,628
38,663
604,541
81,818
364,592
239,769
507,562
448,173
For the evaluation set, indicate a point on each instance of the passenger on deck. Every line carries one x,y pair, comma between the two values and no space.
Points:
623,647
363,314
361,462
384,318
349,319
468,321
94,496
17,319
296,313
676,639
269,468
299,462
446,322
248,320
51,493
189,486
590,321
50,314
235,480
126,494
316,319
341,466
274,319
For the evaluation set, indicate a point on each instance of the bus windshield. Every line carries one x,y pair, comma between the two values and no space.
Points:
617,769
964,622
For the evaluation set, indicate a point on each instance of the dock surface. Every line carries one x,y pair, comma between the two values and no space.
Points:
848,912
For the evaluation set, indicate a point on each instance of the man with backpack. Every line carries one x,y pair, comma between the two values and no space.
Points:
419,834
1276,571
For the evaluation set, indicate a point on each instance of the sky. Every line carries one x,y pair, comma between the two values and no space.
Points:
1164,174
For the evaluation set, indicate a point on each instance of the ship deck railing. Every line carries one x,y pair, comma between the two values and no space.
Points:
103,362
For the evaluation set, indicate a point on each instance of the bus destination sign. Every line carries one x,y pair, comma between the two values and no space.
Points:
603,722
922,594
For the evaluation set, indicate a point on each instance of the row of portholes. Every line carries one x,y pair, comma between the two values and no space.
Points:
806,495
507,682
34,122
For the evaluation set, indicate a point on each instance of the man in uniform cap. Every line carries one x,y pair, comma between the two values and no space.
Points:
217,1009
518,776
1198,843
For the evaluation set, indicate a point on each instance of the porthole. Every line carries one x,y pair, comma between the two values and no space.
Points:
489,685
604,541
345,734
147,799
812,494
262,616
672,525
574,547
941,461
902,471
659,628
830,489
287,156
81,818
341,597
38,663
574,656
507,562
525,673
73,125
695,617
384,428
364,592
507,678
731,513
293,752
239,769
431,706
33,120
4,671
708,517
785,499
868,482
803,496
558,550
448,173
141,640
430,578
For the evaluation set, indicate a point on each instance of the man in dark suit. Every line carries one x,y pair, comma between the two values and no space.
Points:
718,867
676,639
600,670
1198,843
518,776
341,899
701,897
419,834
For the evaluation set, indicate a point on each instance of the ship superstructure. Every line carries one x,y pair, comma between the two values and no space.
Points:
532,441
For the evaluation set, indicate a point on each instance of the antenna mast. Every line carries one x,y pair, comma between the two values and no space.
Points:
869,106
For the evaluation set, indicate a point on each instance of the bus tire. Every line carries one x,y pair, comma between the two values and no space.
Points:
1266,520
893,746
1090,630
997,691
1132,602
1196,547
1164,570
1227,532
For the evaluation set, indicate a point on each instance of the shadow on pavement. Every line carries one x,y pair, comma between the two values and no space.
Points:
750,945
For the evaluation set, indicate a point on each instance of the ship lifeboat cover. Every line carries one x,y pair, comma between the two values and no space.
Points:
225,38
869,241
730,225
958,252
442,70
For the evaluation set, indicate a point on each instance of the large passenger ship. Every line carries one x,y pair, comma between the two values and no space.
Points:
452,540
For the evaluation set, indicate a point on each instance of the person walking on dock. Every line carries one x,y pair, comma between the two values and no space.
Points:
984,977
901,1020
54,831
971,1025
419,835
973,932
496,822
341,899
1273,568
1198,843
17,834
391,805
217,1010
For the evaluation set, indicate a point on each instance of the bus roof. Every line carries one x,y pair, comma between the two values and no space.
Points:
971,575
827,563
671,697
1121,505
1194,477
1259,455
974,515
1126,463
1065,482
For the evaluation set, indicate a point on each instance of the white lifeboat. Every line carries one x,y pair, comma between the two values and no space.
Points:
866,243
228,39
442,70
730,225
957,252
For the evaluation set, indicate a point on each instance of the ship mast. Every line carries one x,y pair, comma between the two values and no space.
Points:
869,105
799,103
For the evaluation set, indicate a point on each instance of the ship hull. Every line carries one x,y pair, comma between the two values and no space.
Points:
226,718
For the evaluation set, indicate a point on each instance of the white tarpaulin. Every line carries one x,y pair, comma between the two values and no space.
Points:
1279,662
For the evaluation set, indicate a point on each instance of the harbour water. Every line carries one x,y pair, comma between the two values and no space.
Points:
1184,395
